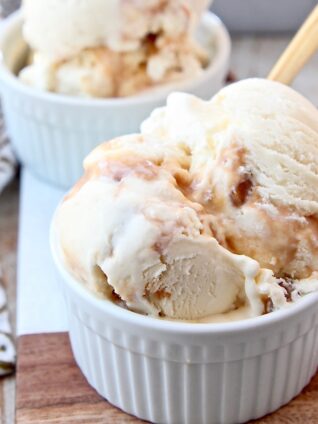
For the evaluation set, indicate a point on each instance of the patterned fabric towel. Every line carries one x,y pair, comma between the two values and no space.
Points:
7,349
7,170
7,160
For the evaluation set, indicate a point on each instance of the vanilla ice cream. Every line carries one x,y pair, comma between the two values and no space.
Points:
111,48
261,178
209,214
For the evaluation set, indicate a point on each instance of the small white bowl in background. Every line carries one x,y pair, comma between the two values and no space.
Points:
175,372
52,133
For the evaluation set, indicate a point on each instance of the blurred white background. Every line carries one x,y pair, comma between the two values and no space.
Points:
263,15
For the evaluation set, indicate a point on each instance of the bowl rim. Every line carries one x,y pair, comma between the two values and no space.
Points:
172,326
220,60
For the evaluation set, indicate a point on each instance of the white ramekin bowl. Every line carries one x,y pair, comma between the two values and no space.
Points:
174,372
52,133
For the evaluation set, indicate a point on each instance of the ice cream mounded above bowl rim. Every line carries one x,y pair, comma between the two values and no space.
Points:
114,49
207,215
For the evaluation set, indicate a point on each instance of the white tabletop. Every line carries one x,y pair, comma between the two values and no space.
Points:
40,305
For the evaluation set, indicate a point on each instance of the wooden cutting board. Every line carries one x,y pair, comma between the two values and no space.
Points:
51,389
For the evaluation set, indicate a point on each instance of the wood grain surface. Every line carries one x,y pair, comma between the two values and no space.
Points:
52,389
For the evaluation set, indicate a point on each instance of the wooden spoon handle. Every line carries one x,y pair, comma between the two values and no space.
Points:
298,52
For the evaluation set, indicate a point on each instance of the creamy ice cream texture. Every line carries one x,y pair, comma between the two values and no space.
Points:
209,213
111,48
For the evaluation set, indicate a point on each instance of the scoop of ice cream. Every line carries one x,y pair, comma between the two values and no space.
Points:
61,29
101,72
111,48
199,215
256,169
144,238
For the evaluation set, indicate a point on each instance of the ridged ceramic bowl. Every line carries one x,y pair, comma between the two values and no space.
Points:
176,372
52,133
